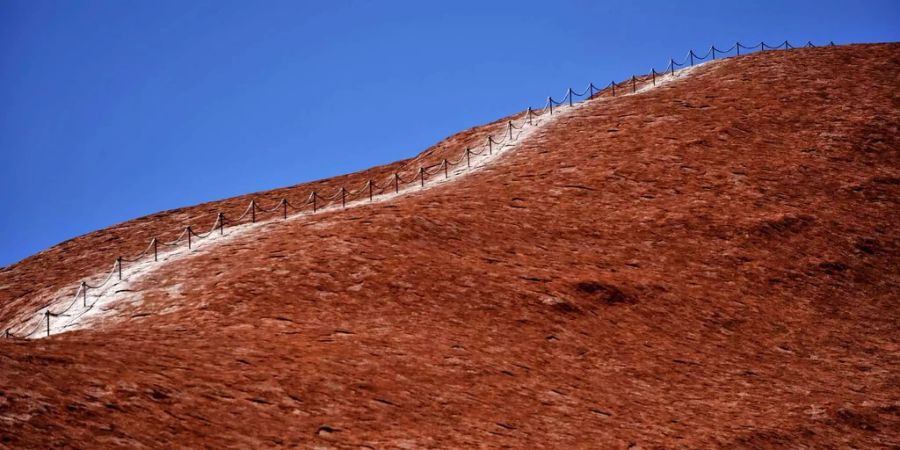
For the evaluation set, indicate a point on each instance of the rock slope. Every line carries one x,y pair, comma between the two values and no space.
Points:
711,263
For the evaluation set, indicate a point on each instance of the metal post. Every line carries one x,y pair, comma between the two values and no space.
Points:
284,207
653,73
47,315
570,96
737,45
422,176
155,250
314,201
550,101
119,266
446,174
396,183
672,65
343,197
713,49
253,210
613,83
591,89
529,117
468,158
189,232
221,223
633,84
370,190
691,56
509,125
491,144
7,333
84,288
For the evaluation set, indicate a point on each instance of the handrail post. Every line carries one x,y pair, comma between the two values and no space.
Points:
550,101
155,250
591,89
370,191
633,84
396,183
613,83
529,117
446,173
570,96
253,210
189,232
119,266
510,126
84,288
713,49
491,145
47,315
343,197
672,65
422,176
314,201
469,158
737,45
691,56
284,204
653,73
221,223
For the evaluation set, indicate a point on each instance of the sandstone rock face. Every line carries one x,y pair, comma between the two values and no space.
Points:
709,263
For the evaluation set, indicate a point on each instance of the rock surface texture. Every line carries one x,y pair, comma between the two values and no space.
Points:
712,263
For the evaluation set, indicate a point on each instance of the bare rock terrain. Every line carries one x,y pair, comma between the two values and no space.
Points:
713,263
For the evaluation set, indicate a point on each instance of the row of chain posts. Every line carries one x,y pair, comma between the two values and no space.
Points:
371,188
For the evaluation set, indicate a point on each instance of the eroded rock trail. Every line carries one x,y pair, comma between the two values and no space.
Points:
712,264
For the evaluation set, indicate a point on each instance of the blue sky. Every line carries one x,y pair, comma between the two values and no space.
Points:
111,110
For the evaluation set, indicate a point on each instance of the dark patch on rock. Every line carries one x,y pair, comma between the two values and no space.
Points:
566,308
868,246
385,401
856,420
578,186
325,430
603,293
786,225
832,267
886,180
158,395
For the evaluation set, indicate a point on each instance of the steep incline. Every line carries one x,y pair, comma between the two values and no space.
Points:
713,263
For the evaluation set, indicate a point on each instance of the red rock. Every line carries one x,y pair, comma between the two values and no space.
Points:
713,263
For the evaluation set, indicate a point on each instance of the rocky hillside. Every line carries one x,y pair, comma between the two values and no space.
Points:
713,262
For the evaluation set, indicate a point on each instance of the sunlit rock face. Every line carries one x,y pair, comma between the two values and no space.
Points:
708,262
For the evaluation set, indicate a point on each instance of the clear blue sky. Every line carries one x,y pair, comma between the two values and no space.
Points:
110,110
